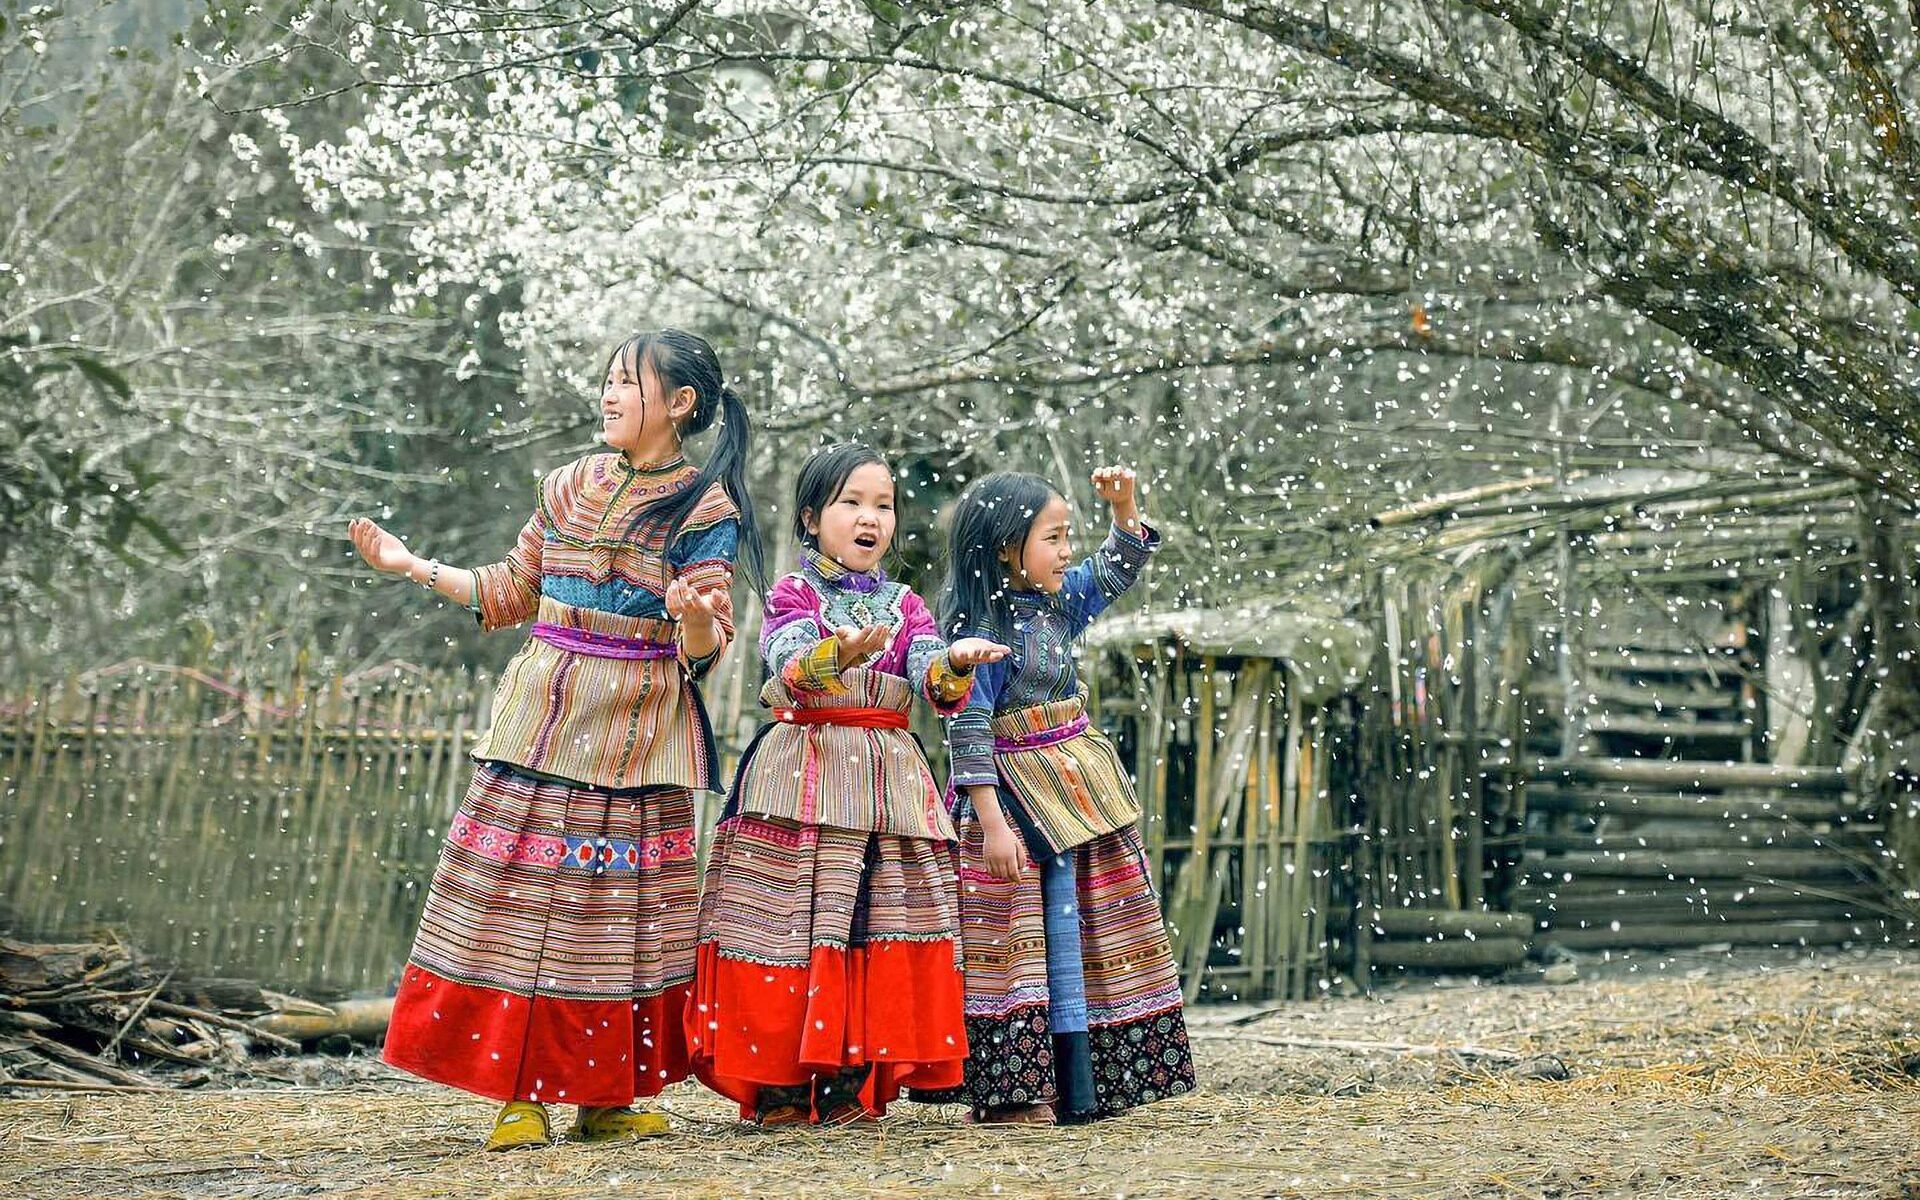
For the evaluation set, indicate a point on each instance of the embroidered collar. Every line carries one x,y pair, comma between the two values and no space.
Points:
652,468
839,576
1029,599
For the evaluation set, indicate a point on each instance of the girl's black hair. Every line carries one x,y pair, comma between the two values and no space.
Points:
681,359
996,511
821,478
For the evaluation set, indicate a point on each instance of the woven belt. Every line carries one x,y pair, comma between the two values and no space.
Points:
602,645
1044,737
858,718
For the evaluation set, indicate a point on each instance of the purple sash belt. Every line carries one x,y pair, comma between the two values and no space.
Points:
1043,737
602,645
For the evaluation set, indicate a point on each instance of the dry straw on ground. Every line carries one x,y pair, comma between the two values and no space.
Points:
1772,1077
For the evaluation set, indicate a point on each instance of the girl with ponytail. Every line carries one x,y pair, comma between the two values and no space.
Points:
556,951
1073,1004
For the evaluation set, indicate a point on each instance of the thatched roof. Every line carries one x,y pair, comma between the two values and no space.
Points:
1328,655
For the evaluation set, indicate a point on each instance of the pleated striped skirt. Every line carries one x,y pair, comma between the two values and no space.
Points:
825,949
1072,994
555,954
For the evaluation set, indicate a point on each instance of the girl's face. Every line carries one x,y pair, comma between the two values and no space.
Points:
635,407
855,528
1040,563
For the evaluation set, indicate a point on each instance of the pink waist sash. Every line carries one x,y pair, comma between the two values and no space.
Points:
602,645
1042,737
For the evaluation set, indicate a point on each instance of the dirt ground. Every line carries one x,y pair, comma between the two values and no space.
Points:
1697,1075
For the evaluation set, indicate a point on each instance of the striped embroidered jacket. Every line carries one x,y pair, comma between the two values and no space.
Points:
844,776
610,722
1026,729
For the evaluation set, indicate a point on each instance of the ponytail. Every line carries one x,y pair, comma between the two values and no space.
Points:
682,359
729,464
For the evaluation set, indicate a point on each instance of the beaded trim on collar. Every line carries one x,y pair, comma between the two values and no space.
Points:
840,576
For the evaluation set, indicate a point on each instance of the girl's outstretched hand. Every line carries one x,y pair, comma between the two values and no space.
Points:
854,645
692,607
383,551
973,651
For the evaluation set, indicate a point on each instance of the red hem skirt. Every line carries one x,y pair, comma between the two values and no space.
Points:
555,955
823,950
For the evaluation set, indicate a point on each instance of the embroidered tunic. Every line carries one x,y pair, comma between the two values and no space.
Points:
1026,729
578,570
845,776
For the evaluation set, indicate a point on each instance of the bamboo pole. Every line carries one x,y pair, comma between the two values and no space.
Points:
1254,887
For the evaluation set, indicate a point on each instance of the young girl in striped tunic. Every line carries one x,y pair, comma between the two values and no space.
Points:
829,959
555,953
1073,1002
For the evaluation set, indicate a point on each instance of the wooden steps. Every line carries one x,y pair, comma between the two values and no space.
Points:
1677,852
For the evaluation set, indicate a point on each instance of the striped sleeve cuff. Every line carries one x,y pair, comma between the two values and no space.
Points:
948,686
816,670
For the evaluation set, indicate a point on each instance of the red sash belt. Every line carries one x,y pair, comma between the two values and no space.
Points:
857,718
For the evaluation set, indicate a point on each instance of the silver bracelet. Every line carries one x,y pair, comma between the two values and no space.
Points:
433,574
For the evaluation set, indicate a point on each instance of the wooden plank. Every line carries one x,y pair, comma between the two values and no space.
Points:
1625,893
1854,840
1771,808
1692,775
1682,864
1208,868
1155,752
1255,891
1280,930
1591,913
1675,728
1638,694
1657,662
1455,953
1443,923
1758,933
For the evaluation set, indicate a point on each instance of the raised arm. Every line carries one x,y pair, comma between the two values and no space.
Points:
793,642
1100,578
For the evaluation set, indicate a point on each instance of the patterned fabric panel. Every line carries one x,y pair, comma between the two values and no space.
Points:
803,610
596,854
777,890
1067,793
1041,668
1126,958
847,778
577,547
611,723
530,928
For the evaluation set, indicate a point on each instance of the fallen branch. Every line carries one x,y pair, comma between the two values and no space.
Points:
1306,1043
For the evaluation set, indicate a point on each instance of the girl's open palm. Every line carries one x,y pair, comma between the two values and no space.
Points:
973,651
382,550
691,606
854,645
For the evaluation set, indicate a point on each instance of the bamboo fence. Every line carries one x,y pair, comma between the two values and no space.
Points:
1241,831
283,832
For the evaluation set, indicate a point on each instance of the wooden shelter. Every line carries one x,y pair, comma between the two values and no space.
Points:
1230,720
